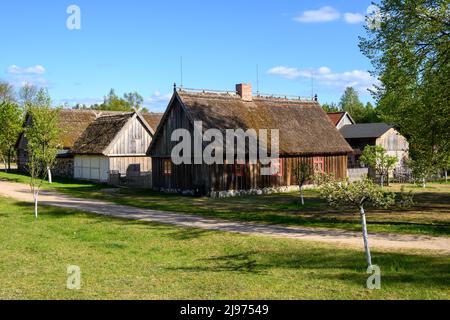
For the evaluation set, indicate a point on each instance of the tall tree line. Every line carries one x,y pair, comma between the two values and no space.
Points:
410,53
14,106
131,101
351,103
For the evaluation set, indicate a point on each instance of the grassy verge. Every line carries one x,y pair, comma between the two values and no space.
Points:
134,260
430,215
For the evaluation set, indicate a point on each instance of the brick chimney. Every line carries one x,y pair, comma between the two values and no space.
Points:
245,91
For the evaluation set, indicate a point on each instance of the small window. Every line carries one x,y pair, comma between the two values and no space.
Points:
277,168
167,167
319,164
239,170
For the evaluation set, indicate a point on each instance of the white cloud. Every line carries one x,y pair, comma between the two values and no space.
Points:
157,102
360,80
19,81
327,14
324,14
353,18
37,69
285,72
20,76
324,70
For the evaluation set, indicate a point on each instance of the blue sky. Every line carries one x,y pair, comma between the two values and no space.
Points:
135,45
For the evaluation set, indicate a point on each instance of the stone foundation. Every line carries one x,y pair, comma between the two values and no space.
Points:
255,192
64,168
239,193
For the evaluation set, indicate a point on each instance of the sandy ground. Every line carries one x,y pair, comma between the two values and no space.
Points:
436,245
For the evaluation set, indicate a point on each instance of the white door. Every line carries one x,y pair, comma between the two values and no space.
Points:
91,168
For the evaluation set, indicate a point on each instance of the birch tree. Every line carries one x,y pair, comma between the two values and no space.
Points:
43,142
6,92
303,173
27,94
422,170
360,195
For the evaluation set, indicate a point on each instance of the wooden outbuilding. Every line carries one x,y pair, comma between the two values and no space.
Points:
96,143
359,136
305,132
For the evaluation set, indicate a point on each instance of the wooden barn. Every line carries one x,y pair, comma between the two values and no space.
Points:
359,136
95,143
306,134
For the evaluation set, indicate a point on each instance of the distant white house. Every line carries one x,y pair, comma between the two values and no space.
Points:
341,119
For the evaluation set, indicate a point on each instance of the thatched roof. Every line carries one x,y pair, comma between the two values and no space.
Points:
304,127
100,133
73,123
153,119
91,131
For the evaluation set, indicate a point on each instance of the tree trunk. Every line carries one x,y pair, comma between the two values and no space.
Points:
424,183
301,195
36,195
365,236
446,175
49,173
382,180
9,161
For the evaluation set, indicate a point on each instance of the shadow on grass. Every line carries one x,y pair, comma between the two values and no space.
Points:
45,211
51,212
58,183
341,265
319,262
189,234
275,209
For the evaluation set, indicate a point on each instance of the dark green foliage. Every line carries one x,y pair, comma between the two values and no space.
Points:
410,53
350,103
112,102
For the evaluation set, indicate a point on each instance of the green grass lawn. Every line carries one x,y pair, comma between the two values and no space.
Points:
430,215
135,260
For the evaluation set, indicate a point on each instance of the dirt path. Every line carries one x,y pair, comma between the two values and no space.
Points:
341,237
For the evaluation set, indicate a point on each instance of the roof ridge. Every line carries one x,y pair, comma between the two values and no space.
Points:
234,96
157,113
95,111
111,116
